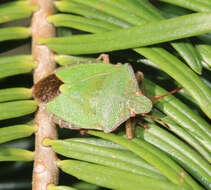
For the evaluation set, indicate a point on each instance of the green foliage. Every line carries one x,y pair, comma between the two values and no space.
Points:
15,154
173,157
9,94
205,52
186,134
74,7
181,114
81,23
179,151
113,178
15,10
107,156
14,65
14,33
17,108
16,132
195,5
166,30
152,155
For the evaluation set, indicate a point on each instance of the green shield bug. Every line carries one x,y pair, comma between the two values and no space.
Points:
92,95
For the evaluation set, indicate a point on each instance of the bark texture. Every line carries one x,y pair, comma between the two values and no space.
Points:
45,170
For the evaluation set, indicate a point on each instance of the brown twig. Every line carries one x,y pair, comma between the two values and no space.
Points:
45,170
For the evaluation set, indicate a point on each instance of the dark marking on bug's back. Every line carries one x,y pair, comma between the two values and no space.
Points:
47,89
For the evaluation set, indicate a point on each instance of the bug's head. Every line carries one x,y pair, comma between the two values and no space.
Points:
47,89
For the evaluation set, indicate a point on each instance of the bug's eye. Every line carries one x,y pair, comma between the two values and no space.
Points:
47,89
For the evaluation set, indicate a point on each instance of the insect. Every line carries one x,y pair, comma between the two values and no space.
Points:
94,95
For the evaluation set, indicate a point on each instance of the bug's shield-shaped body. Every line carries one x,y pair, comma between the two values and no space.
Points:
97,96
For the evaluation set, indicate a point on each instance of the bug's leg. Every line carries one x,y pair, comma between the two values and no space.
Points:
132,112
83,131
162,96
130,128
143,125
182,175
155,118
105,58
140,78
118,64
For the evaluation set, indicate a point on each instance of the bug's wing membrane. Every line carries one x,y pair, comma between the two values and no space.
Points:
81,72
86,91
113,112
77,102
114,109
73,111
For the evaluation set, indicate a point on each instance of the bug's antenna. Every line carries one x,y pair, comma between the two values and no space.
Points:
155,118
143,125
162,96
